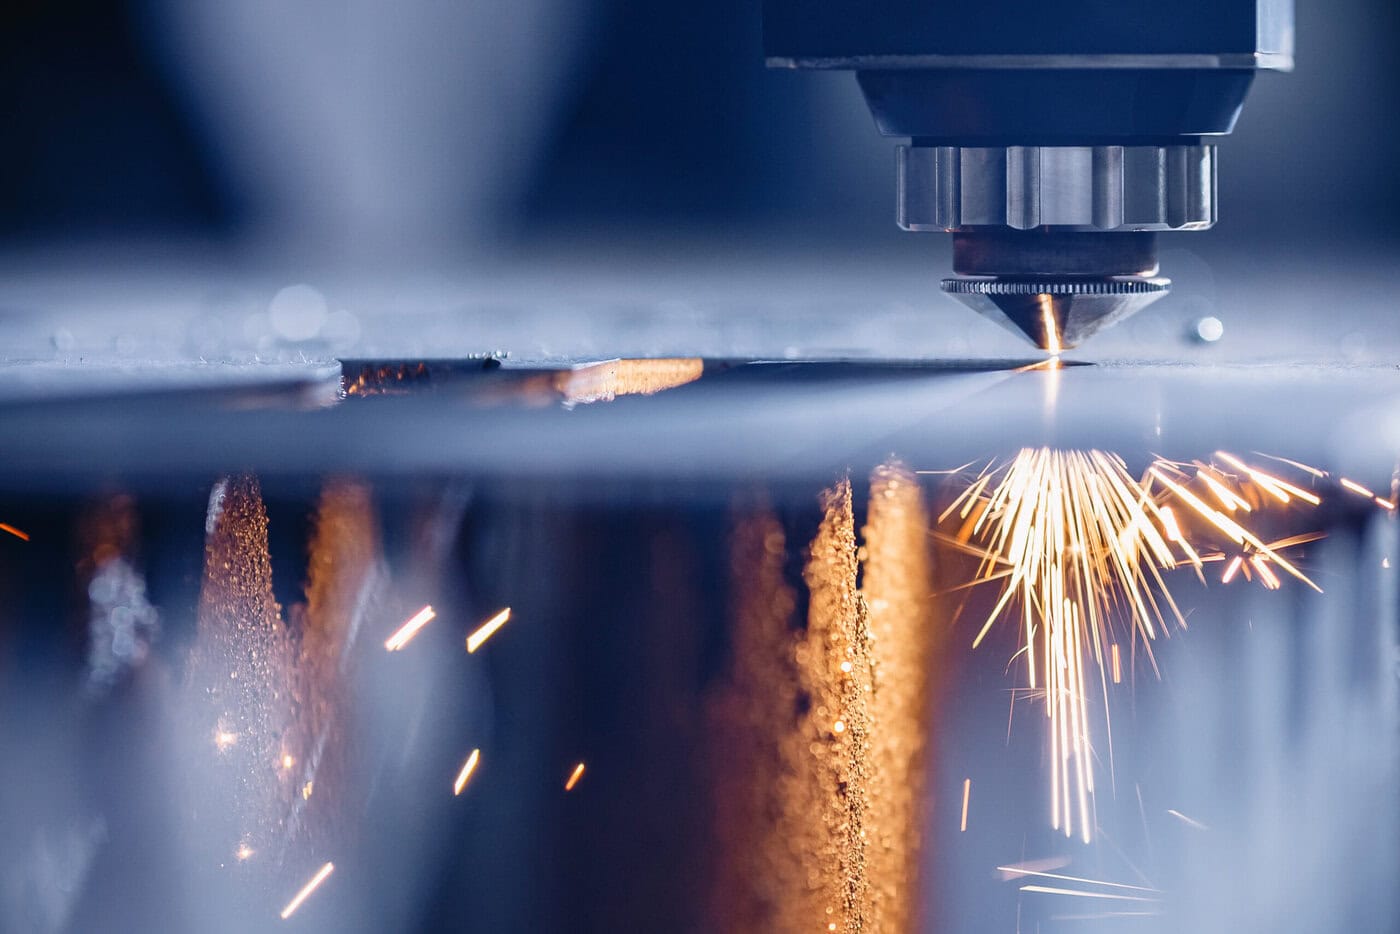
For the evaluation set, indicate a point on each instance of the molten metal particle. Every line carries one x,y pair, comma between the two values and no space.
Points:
487,629
307,889
574,777
409,629
468,768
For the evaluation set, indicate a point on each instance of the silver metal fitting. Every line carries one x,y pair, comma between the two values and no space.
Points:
1089,188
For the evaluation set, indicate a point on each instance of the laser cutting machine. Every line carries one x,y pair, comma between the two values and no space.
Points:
1054,141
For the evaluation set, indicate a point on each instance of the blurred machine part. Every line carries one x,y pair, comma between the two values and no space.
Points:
1052,140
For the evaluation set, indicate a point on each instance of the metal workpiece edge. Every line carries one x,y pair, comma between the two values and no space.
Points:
1269,61
1113,285
1102,188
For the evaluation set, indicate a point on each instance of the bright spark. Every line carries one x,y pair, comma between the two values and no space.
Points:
224,739
243,852
468,768
1190,822
17,533
967,793
409,629
1357,488
1015,872
1080,548
307,889
1051,890
574,777
487,629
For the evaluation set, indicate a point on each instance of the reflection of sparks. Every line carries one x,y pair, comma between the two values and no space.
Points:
409,629
307,789
574,777
307,889
224,739
487,629
288,761
967,794
1190,822
17,533
243,852
467,769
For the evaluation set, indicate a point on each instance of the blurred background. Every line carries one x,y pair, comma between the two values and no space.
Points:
417,128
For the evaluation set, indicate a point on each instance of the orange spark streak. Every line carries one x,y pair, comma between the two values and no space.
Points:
409,629
468,768
17,533
1231,569
967,793
1357,488
1117,665
573,779
487,629
307,889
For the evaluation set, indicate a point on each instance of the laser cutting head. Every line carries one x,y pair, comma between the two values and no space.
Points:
1054,141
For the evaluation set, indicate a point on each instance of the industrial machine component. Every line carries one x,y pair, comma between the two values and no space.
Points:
1052,140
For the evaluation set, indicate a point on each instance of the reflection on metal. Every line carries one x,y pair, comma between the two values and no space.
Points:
897,583
819,793
122,623
385,379
346,578
603,382
239,687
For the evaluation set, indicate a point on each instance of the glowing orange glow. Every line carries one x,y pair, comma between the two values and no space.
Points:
17,533
1357,488
967,794
487,629
467,769
1047,320
409,629
307,889
288,761
1076,543
1232,569
574,777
